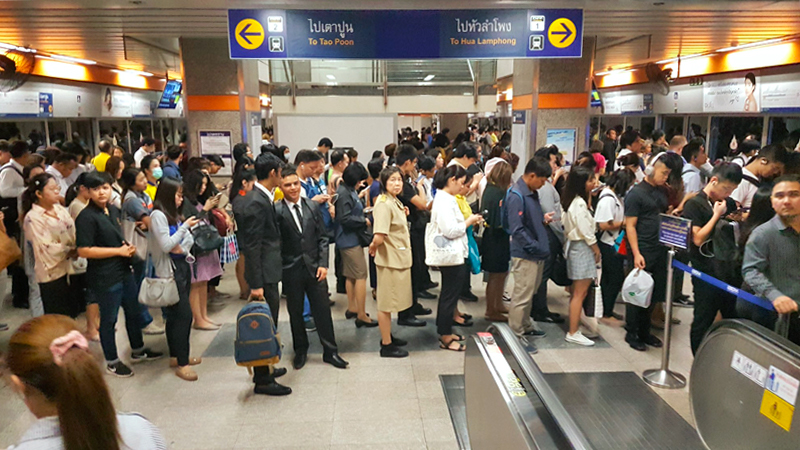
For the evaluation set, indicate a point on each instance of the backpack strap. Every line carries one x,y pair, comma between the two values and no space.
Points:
11,167
754,181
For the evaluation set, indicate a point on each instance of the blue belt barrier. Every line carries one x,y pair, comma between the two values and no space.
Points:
740,293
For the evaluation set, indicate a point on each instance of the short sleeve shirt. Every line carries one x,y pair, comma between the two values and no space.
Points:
600,160
746,190
609,209
137,206
95,228
415,216
646,202
390,219
699,210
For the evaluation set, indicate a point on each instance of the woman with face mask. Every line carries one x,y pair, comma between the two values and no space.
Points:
152,171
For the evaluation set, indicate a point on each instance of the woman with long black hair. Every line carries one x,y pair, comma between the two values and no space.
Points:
169,244
243,182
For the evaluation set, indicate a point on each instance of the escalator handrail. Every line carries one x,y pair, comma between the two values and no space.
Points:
549,398
763,333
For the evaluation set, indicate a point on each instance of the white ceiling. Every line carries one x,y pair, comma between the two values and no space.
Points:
628,31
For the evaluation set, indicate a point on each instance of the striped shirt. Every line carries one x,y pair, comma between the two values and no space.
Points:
137,434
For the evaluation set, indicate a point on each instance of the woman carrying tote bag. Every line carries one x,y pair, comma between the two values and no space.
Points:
169,243
446,247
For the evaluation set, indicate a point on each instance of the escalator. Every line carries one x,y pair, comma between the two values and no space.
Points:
504,401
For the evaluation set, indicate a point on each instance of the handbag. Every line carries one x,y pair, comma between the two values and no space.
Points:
474,254
158,292
206,239
229,252
9,251
136,237
440,251
77,266
218,220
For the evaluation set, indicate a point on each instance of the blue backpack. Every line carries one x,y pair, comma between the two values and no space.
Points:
257,340
504,211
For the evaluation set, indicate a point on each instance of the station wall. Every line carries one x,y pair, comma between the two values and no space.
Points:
365,133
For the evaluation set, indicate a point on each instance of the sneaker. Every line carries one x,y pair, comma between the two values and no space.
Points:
118,369
683,301
145,355
535,332
153,329
579,338
3,327
310,325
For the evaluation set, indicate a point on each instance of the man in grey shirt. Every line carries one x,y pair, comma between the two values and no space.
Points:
772,251
551,202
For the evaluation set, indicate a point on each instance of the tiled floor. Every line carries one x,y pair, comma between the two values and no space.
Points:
375,404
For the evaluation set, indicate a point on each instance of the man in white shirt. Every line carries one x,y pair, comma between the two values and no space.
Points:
747,149
12,185
768,164
695,156
148,148
61,169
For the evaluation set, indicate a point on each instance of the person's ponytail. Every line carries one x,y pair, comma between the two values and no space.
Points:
85,412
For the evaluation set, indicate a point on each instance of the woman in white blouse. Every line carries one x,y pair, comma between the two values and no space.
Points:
450,230
581,250
51,231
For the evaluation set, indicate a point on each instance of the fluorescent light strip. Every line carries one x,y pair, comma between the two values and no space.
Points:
750,45
613,72
430,77
330,77
682,58
73,60
16,47
133,72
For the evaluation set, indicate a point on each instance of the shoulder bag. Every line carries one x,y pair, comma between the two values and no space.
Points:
439,250
158,292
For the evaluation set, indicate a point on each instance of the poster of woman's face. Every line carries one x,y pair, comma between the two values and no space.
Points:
750,102
107,103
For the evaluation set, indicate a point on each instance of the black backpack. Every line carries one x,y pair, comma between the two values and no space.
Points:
727,261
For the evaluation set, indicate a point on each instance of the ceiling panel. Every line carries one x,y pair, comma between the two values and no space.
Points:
628,31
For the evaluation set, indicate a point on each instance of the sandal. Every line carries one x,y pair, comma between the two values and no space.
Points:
458,338
449,346
465,323
466,317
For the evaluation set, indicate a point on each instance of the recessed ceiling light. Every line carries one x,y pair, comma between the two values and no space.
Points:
73,60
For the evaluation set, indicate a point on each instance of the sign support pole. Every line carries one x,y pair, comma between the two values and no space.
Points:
663,377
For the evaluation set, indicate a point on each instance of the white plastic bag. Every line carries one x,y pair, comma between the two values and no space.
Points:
638,288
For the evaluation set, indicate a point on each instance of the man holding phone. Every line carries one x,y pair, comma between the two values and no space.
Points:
705,210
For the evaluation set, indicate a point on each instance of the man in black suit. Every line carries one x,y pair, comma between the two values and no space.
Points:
304,249
260,239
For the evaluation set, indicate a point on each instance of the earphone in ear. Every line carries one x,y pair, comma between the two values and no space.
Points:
649,170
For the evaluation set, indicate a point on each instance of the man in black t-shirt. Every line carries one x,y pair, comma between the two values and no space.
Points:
643,206
406,160
705,210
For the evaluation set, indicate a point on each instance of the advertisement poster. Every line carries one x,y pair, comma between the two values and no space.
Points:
732,95
563,138
45,104
611,103
631,104
141,107
19,103
217,143
780,96
116,103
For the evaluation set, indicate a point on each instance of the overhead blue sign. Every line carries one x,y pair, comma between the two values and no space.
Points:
393,34
674,231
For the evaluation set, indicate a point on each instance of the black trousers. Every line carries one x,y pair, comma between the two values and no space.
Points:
19,285
539,303
637,320
60,297
263,375
707,301
338,265
178,317
612,277
419,271
452,285
297,284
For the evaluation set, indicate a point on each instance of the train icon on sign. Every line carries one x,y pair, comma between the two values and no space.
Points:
536,42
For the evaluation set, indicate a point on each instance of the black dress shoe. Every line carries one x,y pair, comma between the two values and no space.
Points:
653,341
399,342
360,323
300,360
635,343
335,360
469,297
467,323
273,388
425,295
411,322
466,316
548,319
279,372
350,315
420,310
430,285
392,351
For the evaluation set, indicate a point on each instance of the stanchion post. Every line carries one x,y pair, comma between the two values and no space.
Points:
663,377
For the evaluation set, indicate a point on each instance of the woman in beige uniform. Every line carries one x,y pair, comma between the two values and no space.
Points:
391,247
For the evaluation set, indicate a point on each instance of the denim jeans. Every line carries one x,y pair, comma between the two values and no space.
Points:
145,318
122,294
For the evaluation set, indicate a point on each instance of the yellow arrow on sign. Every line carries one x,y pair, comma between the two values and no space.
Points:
561,33
249,34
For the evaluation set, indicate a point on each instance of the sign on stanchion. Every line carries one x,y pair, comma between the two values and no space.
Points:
674,232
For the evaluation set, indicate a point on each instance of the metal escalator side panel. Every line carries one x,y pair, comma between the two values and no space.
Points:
728,383
548,398
493,421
